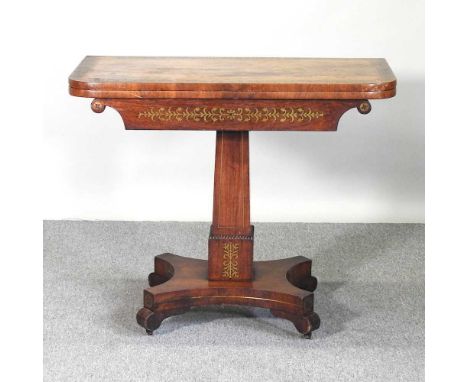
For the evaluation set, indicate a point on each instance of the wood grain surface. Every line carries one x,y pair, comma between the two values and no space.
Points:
232,78
230,115
230,244
232,96
179,283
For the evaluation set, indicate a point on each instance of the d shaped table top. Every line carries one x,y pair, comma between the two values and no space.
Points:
234,94
238,78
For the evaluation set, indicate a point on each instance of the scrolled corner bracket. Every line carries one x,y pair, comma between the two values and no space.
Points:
364,107
97,106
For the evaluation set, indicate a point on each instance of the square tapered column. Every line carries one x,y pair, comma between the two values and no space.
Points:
230,245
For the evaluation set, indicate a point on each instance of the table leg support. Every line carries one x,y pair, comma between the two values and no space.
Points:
285,287
230,276
304,324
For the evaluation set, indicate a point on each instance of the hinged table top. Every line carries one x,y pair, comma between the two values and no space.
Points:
232,78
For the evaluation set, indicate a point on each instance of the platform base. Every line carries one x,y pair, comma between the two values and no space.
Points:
180,283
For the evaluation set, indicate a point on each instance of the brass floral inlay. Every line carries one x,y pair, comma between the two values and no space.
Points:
239,114
231,254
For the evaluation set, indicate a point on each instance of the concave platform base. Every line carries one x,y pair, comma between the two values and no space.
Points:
180,283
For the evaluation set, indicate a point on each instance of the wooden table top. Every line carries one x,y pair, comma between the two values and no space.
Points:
232,78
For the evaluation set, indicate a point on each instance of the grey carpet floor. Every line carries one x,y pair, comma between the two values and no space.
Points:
370,299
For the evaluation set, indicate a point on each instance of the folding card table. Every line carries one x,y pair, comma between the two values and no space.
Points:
231,96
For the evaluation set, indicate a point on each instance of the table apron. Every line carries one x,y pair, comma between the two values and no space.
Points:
230,115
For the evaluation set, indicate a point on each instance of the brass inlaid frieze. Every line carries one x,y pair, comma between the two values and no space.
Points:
238,114
230,264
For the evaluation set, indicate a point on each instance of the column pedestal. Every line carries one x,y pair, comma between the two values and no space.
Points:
230,276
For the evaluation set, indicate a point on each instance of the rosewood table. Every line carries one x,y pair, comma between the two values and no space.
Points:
231,96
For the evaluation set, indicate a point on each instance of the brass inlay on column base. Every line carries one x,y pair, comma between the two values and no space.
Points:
230,264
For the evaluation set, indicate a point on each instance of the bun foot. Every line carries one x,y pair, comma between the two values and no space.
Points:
152,320
304,324
148,320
